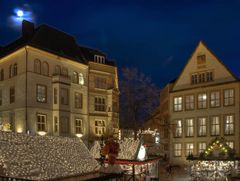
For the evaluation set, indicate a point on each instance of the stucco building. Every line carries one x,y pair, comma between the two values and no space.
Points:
51,85
204,104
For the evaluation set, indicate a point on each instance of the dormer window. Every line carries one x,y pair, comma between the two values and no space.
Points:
99,59
201,77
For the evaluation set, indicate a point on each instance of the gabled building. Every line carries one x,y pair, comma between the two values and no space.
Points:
51,85
204,104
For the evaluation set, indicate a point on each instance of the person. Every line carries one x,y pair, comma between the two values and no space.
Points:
169,169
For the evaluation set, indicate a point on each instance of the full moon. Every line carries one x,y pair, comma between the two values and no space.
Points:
20,13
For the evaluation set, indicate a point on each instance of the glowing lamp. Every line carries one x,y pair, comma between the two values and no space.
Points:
79,135
42,133
142,153
19,130
20,13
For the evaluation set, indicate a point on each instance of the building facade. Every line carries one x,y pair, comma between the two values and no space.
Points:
204,104
51,85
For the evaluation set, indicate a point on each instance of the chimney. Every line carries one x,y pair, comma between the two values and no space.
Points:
27,29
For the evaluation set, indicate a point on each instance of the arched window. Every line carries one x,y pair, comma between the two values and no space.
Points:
45,68
37,66
64,71
15,69
2,74
57,70
75,77
80,79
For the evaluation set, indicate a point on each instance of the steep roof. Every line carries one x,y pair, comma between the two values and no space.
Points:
54,41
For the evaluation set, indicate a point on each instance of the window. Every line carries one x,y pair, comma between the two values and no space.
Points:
228,97
230,144
64,96
64,125
0,97
189,102
194,79
215,99
55,124
228,125
202,126
100,127
201,147
99,59
15,69
41,122
202,101
75,77
37,66
201,59
177,104
12,95
209,76
45,68
57,70
64,71
41,93
78,126
100,104
80,79
10,71
178,149
55,98
78,100
215,126
189,149
2,75
100,82
178,130
189,128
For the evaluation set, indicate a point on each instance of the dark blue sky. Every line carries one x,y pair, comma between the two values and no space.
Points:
156,36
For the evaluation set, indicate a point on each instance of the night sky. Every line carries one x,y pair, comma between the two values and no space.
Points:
156,36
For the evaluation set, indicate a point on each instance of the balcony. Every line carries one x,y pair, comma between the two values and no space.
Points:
61,79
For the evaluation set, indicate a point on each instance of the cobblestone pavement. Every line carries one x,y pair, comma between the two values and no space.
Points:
178,174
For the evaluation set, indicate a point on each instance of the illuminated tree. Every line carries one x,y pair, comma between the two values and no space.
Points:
139,97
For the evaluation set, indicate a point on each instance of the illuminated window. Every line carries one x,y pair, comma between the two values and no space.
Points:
202,127
201,147
228,125
228,97
100,127
41,93
57,70
202,101
189,149
230,144
177,149
12,95
78,100
37,66
41,122
100,104
189,102
78,126
100,82
215,99
215,126
55,124
177,104
189,127
2,75
178,130
64,96
80,79
45,68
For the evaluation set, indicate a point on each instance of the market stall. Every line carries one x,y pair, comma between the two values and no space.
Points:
217,162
